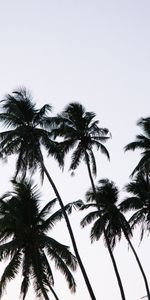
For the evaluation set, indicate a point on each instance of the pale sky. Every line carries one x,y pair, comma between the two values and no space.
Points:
98,53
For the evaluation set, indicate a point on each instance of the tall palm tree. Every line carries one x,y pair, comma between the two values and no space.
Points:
111,217
142,142
109,222
25,242
80,130
29,131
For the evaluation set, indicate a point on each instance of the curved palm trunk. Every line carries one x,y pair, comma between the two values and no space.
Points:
70,232
140,266
53,292
107,241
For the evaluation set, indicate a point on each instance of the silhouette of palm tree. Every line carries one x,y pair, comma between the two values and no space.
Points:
80,130
24,240
111,217
29,131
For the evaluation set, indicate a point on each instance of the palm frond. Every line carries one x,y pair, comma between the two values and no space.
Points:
38,274
97,229
10,120
103,149
8,249
61,250
61,265
85,206
46,209
90,217
41,114
137,218
142,165
131,203
144,123
93,162
59,215
10,271
77,155
49,273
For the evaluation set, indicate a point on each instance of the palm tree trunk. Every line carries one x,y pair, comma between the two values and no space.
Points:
89,287
140,266
147,172
53,292
105,234
45,294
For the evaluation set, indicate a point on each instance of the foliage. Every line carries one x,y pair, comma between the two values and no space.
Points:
111,218
24,240
27,132
80,130
138,201
142,142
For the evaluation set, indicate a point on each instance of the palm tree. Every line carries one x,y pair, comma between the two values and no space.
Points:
26,136
111,217
142,142
109,222
80,130
25,242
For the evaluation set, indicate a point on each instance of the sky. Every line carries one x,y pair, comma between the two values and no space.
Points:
97,53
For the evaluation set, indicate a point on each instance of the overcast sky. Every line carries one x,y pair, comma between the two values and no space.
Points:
98,53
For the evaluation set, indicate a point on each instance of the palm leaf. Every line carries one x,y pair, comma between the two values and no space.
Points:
8,249
97,229
61,265
10,271
145,160
130,203
46,209
77,155
61,250
145,124
89,218
41,114
93,162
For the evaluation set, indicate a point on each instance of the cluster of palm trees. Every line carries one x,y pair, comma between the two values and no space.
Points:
25,228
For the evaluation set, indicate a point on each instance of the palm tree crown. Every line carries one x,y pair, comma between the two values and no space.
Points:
24,240
26,132
80,131
142,142
111,218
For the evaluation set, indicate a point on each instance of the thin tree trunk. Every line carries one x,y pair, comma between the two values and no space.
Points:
89,287
147,175
140,266
44,294
106,238
53,292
